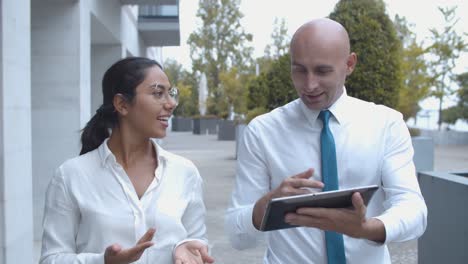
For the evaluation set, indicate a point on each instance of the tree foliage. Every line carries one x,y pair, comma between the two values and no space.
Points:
462,80
373,38
234,90
271,89
187,85
174,71
460,110
416,81
279,46
187,105
280,87
447,46
280,39
219,44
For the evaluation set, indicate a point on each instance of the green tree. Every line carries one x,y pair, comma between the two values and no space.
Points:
416,81
462,80
234,90
460,110
271,89
451,114
257,90
373,38
187,85
187,106
219,44
278,47
447,46
280,38
174,70
280,87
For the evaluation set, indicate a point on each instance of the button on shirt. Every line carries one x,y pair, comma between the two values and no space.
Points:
373,146
92,204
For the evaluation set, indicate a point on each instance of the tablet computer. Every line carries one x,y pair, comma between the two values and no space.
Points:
278,207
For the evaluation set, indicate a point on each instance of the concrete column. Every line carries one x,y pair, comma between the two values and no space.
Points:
102,57
131,40
60,89
16,227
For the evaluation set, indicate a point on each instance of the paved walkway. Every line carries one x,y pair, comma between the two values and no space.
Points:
215,161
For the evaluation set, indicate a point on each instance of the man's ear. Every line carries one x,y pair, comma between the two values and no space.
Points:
120,104
351,63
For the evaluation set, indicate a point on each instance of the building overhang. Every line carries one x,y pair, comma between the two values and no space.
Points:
158,21
162,31
149,2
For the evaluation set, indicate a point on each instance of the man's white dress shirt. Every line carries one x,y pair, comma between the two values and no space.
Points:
373,146
92,204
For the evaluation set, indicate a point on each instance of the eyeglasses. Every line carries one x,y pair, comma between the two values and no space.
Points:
164,95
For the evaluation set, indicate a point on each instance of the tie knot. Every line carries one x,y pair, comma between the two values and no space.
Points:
324,116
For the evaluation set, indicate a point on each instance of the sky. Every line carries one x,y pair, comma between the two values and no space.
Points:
259,16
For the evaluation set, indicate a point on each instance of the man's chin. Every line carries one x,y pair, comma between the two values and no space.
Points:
312,105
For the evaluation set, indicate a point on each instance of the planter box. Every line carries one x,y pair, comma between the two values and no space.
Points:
203,126
446,236
446,137
239,131
226,130
182,124
423,153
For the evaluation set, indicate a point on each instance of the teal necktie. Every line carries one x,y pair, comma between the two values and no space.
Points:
334,241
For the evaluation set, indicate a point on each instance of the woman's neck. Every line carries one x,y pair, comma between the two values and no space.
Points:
128,150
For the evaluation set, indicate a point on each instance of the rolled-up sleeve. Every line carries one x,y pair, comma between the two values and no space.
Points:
405,215
61,218
252,182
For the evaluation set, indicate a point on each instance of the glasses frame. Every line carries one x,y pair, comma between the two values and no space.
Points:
169,93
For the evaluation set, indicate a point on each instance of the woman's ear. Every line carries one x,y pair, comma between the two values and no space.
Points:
120,104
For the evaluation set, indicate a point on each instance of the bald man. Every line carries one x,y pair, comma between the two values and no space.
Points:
281,155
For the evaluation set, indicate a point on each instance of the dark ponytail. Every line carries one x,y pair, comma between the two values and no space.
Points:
121,78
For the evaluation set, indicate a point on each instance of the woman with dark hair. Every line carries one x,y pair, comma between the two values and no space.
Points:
125,199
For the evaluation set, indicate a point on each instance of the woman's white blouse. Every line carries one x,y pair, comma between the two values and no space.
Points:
92,204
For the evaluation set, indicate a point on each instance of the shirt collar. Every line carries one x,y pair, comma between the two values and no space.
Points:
338,109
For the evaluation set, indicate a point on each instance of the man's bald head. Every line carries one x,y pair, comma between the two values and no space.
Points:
326,31
320,62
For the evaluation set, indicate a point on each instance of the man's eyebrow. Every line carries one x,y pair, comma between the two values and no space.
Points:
324,67
297,64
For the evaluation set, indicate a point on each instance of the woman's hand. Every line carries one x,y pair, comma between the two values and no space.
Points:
116,255
192,252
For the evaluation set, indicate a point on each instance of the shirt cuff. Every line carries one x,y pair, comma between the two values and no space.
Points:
187,240
246,221
91,258
390,224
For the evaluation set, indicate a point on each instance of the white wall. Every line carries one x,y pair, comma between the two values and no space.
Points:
108,14
130,38
155,53
60,89
102,56
16,228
